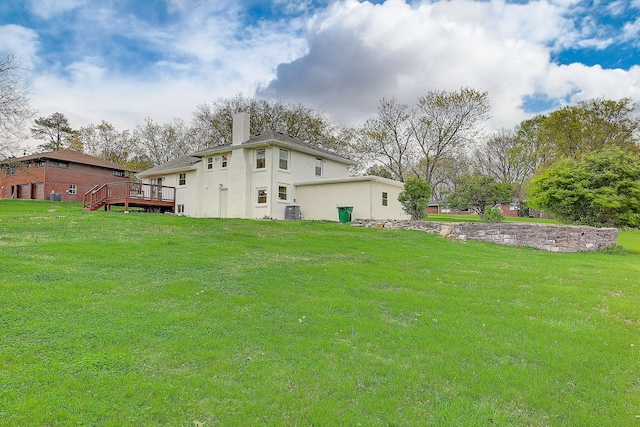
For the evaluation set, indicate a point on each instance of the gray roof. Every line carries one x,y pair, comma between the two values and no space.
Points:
179,163
272,136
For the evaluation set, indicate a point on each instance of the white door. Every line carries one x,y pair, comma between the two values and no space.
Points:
224,194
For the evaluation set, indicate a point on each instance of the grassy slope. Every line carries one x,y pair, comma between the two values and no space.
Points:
114,319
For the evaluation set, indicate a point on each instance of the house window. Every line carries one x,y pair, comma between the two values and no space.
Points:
262,195
180,209
118,173
225,161
59,164
318,166
182,179
11,170
282,192
260,158
284,159
385,198
209,162
72,189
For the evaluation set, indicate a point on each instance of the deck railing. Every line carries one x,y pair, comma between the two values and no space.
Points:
126,192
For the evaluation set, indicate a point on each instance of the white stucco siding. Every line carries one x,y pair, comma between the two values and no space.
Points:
319,201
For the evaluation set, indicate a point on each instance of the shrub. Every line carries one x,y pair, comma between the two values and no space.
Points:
492,215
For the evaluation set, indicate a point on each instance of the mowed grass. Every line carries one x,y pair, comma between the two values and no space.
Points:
113,319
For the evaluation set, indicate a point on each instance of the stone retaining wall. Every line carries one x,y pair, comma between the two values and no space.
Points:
554,238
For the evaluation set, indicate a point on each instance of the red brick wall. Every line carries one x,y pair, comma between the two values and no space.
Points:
54,179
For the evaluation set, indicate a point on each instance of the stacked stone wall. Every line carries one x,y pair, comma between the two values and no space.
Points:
553,238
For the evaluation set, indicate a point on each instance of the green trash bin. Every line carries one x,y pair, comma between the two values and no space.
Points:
344,213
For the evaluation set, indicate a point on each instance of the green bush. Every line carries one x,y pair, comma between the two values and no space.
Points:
493,215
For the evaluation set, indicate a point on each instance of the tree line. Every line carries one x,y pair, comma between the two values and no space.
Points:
441,140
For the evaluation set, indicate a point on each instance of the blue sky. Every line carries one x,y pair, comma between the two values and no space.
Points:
121,61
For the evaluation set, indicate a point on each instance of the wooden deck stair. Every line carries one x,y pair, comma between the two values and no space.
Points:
130,194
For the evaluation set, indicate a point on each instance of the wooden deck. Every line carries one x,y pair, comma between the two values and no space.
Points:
131,194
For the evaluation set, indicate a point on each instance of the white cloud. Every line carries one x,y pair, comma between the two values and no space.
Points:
20,41
359,52
47,9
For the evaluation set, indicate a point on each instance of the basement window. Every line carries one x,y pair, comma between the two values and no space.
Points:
180,209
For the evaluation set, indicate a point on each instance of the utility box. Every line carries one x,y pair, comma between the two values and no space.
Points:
55,197
344,213
292,212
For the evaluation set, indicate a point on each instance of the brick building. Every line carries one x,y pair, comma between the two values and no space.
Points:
57,175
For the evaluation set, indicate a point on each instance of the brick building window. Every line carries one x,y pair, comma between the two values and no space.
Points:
73,188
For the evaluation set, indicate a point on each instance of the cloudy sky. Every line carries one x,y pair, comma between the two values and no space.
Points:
123,60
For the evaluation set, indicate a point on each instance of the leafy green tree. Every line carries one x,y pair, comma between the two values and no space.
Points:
600,189
588,126
479,192
415,197
55,131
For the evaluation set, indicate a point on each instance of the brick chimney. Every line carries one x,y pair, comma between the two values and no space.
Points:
240,128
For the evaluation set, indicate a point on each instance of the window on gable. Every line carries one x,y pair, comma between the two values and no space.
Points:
261,158
262,195
182,179
209,162
225,161
282,192
284,159
318,166
385,198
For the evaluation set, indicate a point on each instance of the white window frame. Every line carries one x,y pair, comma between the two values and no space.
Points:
385,199
182,179
224,161
209,163
283,161
261,154
73,189
319,166
261,192
281,193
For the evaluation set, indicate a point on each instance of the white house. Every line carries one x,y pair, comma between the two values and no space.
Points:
272,175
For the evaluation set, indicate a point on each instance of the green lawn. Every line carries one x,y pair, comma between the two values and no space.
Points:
113,319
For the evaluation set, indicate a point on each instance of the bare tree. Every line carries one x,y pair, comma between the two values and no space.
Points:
107,143
386,138
161,143
213,124
15,110
506,159
444,124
